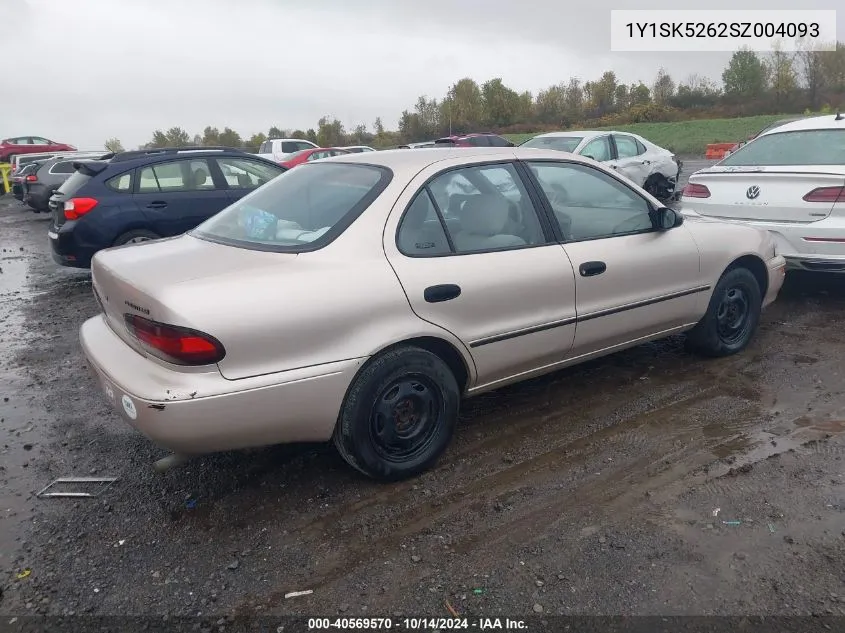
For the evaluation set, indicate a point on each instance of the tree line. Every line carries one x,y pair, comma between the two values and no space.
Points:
751,84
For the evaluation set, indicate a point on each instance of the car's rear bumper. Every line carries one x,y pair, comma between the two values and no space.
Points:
66,252
816,263
194,412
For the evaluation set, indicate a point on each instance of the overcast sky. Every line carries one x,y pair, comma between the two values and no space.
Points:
87,70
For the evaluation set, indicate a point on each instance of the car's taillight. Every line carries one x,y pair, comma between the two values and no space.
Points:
77,207
826,194
693,190
31,178
174,344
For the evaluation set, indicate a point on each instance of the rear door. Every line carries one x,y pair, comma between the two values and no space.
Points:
176,196
484,268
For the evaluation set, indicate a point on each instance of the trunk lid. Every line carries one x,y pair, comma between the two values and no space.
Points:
182,281
764,194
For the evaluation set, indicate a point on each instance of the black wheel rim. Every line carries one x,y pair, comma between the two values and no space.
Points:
733,317
405,417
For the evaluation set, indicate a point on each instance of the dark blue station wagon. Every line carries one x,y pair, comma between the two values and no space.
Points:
146,195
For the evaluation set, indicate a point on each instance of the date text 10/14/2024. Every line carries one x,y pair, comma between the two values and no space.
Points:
414,624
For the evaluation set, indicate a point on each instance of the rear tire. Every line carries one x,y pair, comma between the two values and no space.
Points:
399,415
732,316
136,237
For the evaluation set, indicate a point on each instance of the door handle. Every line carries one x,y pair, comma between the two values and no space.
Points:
442,292
589,269
158,204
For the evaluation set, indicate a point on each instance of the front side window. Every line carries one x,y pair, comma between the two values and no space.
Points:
483,208
266,148
498,141
626,146
803,147
478,141
241,173
598,149
589,204
303,209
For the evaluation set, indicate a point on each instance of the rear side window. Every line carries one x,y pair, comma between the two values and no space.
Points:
303,209
804,147
289,147
626,146
559,143
478,141
122,183
178,175
65,167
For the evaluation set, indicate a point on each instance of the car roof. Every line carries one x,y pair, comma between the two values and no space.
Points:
410,163
584,133
170,153
826,122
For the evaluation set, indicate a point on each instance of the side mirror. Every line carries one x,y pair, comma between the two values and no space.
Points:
666,218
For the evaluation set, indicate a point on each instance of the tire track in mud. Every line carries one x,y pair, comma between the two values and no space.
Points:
554,474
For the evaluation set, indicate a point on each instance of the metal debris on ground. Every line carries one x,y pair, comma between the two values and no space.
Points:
85,482
732,522
296,594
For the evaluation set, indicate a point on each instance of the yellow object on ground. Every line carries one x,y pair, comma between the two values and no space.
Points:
5,170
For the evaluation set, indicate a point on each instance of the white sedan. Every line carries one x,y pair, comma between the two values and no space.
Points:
650,166
789,180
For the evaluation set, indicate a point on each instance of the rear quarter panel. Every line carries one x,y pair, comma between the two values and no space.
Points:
114,215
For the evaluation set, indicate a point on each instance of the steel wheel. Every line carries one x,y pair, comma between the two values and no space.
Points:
732,316
404,417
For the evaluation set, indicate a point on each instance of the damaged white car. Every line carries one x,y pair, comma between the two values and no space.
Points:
650,166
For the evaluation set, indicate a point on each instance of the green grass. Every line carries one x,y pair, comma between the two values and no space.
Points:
689,137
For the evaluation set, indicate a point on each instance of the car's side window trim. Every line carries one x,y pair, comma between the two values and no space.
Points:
547,206
549,239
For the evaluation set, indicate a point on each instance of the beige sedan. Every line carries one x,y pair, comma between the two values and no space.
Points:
360,298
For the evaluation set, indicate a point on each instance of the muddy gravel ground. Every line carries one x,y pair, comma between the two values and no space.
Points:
648,482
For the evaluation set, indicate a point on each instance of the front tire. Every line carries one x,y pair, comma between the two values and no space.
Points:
135,237
732,316
399,415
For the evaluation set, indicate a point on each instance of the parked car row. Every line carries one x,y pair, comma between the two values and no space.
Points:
283,150
401,245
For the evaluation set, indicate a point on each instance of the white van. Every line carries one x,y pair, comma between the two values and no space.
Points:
278,149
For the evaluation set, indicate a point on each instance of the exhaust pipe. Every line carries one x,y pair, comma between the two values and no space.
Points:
170,461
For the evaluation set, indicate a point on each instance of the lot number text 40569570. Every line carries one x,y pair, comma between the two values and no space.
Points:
416,624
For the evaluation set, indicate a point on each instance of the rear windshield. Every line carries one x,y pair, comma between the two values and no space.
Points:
559,143
804,147
73,184
303,209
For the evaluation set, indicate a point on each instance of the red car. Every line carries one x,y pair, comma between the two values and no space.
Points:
314,153
30,145
473,140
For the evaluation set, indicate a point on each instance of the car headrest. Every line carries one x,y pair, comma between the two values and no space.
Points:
484,214
200,176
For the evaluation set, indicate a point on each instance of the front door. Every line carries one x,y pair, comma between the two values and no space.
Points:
632,281
176,196
483,266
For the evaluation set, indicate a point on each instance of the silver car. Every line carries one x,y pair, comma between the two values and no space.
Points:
360,298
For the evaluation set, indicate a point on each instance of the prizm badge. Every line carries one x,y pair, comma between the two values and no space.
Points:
136,307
